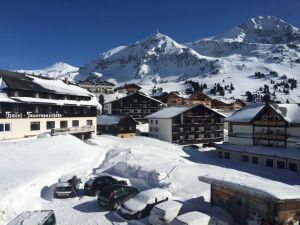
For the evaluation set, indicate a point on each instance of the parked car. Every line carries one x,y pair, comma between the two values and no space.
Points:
141,205
96,184
194,218
41,217
114,195
194,146
165,212
67,186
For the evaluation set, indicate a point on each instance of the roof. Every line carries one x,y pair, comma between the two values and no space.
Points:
288,153
112,119
137,93
91,82
21,81
200,96
31,217
194,216
65,178
254,186
289,112
170,112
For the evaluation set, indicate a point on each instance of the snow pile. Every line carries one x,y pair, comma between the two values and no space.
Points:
30,167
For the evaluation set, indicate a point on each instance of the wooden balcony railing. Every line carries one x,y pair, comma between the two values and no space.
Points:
269,123
270,136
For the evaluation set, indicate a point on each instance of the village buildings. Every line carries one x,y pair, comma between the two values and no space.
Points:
97,87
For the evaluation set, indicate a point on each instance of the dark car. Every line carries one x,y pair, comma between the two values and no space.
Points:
209,144
67,186
193,146
96,184
114,195
39,217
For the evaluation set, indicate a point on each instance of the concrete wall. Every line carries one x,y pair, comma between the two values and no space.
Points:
246,129
20,128
240,141
162,130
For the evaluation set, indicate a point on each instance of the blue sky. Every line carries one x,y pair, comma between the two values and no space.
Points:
37,33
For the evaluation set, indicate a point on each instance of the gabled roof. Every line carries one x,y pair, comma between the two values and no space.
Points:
112,119
200,96
91,82
170,112
137,93
21,81
289,112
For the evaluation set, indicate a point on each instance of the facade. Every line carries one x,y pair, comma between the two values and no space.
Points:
30,105
138,105
120,126
253,206
129,89
265,134
187,125
98,88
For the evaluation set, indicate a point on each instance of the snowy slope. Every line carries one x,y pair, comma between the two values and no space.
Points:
157,54
58,70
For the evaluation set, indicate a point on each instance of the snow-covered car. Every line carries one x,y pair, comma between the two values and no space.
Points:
67,186
114,195
96,184
194,218
41,217
165,212
141,205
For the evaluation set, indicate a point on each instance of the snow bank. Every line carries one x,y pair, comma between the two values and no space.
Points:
37,164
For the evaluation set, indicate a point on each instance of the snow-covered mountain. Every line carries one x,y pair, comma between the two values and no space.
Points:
58,70
267,45
155,55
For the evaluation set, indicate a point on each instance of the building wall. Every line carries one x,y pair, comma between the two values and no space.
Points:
162,130
240,140
20,128
107,108
246,129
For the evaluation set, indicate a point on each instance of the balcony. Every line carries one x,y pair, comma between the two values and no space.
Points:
279,137
72,130
269,123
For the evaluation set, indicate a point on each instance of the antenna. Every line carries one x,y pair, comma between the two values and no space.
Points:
157,31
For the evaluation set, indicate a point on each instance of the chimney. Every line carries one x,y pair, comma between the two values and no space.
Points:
66,80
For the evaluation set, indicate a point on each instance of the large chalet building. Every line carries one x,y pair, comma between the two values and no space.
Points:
97,87
30,105
187,125
138,105
265,134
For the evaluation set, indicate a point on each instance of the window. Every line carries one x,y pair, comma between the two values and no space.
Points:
280,164
4,127
293,166
156,129
63,124
151,121
50,125
227,155
35,126
269,162
220,155
245,158
156,121
89,122
75,123
254,160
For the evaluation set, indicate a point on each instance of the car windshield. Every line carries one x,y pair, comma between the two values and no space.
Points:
68,188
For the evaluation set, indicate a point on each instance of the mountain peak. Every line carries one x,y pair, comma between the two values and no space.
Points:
60,66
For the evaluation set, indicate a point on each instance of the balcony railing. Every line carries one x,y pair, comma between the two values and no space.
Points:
270,136
269,123
72,130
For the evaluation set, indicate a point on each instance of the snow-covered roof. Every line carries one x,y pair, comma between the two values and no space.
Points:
137,93
246,114
194,217
169,112
65,178
254,185
290,112
173,111
109,119
30,217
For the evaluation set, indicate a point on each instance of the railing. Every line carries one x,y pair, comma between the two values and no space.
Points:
72,130
270,136
269,123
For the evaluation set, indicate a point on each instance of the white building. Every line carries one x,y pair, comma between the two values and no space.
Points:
265,134
98,88
30,105
186,124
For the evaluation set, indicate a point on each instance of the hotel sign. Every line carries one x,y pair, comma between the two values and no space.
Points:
10,115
